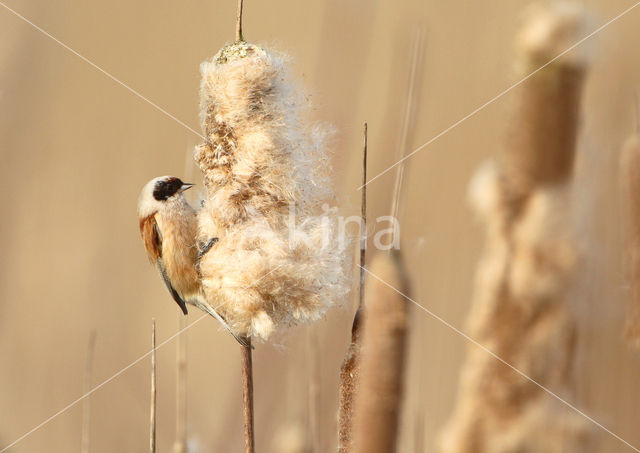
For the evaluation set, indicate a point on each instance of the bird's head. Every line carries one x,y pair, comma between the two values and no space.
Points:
159,191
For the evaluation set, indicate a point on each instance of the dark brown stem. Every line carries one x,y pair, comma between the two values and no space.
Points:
247,397
180,445
152,422
239,37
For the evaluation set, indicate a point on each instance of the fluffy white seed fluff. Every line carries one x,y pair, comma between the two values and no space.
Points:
279,259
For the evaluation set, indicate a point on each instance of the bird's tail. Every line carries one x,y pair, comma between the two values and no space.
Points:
202,305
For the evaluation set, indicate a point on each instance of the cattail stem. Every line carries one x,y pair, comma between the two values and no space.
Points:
239,37
247,397
86,405
180,445
152,422
363,214
349,370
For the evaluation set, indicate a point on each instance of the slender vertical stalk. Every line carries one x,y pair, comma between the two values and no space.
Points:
239,37
152,422
86,404
180,445
363,214
408,121
247,397
349,372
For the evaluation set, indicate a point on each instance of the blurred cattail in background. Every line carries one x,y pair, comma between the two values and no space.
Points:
520,310
630,187
275,261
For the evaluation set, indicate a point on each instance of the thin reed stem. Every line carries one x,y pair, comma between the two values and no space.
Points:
363,214
86,404
349,372
247,397
239,37
152,422
408,121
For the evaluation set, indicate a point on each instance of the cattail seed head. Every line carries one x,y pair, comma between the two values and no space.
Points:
541,142
277,261
385,325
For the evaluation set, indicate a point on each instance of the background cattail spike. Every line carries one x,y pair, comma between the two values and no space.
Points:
520,309
630,192
385,325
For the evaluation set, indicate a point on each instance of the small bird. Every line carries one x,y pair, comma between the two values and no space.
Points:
168,225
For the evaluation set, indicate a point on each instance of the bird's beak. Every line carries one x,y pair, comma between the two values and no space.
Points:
186,186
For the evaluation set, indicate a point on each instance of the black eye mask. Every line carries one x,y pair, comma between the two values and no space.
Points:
166,188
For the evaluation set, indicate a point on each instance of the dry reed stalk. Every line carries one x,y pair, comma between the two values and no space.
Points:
407,126
247,397
239,37
153,402
349,371
520,310
385,325
630,182
180,444
86,404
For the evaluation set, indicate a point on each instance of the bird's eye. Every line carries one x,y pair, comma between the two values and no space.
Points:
166,188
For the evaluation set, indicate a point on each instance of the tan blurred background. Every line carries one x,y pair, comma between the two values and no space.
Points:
77,147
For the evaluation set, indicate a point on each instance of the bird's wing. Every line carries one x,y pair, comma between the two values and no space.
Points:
172,290
151,237
153,243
